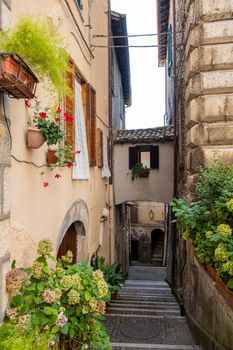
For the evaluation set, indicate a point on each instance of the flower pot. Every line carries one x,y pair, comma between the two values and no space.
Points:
221,286
146,174
16,78
51,157
34,138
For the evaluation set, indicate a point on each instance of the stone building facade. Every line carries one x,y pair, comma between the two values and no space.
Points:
196,49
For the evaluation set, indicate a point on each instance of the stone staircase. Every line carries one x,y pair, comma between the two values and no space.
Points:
145,315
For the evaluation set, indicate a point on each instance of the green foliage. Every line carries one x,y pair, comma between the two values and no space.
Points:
13,339
36,41
112,273
138,170
209,222
64,305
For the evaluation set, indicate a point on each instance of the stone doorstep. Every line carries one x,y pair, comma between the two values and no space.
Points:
133,309
125,346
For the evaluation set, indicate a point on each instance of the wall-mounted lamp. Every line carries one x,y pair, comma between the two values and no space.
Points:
151,214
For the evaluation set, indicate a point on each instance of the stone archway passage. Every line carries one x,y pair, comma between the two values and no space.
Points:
157,246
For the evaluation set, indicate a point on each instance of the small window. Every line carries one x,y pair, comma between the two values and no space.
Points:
147,155
145,158
80,4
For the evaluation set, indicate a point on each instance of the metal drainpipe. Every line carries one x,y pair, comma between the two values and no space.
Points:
110,94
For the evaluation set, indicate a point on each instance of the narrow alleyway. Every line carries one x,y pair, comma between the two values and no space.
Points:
146,314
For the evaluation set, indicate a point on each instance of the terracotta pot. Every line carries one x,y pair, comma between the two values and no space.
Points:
146,174
221,286
51,158
34,139
16,78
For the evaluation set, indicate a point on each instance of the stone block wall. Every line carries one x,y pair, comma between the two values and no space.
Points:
204,87
5,166
206,45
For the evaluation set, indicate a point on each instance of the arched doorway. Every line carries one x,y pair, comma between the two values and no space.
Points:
69,242
157,246
73,233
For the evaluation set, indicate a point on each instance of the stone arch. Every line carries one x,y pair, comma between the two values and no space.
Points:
78,218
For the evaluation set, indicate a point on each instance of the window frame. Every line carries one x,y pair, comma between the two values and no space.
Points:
135,155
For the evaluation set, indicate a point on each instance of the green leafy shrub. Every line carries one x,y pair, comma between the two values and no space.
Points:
42,48
138,170
66,303
112,273
209,221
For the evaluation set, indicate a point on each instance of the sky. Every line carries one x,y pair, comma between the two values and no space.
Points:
147,79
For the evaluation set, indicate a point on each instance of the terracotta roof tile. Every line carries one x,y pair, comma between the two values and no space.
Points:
159,134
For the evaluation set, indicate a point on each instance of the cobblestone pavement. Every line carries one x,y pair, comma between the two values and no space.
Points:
146,316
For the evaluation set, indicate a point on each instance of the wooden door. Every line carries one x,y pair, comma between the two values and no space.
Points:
69,242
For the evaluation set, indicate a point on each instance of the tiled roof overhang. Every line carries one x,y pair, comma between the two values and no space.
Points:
162,20
150,135
119,28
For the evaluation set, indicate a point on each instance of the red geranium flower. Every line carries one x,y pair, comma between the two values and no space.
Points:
57,175
77,152
45,184
68,118
69,165
27,103
57,120
42,115
58,110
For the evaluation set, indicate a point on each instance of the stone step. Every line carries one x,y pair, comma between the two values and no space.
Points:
145,282
126,346
144,304
133,316
142,311
143,297
146,285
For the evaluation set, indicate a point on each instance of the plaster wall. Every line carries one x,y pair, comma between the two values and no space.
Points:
157,187
39,212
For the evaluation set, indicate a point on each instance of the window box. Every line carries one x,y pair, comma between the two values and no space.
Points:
16,78
146,174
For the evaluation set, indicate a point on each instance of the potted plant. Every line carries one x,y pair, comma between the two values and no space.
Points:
65,303
139,170
42,48
60,157
46,126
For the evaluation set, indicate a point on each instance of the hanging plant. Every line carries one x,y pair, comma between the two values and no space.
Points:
37,42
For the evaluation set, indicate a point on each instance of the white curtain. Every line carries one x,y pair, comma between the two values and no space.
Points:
105,170
81,166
